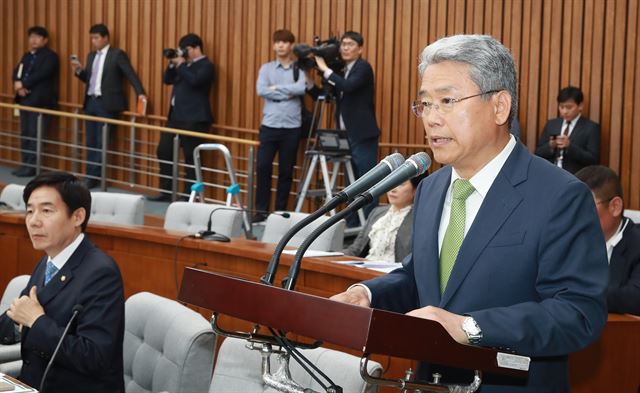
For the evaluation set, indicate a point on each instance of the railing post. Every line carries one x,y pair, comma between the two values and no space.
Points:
103,169
132,151
39,144
174,172
250,177
75,140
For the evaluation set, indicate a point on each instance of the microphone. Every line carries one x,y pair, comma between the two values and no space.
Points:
77,309
415,165
374,175
208,234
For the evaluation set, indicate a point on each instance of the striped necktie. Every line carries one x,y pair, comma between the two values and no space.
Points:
454,235
50,272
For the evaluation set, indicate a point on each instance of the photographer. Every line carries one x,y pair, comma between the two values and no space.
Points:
355,110
191,74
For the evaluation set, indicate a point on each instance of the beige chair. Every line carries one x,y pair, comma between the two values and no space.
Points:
117,208
330,240
12,195
634,215
10,362
238,369
193,217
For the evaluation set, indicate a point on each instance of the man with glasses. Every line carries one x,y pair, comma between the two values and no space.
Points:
355,109
499,235
622,236
570,141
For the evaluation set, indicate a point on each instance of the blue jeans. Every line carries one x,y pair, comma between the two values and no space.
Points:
93,141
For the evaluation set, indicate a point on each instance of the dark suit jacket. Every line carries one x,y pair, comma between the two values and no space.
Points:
360,246
191,89
90,358
355,101
536,232
116,67
42,81
623,293
584,148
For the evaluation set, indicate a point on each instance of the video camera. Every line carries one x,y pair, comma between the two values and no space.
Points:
329,50
171,53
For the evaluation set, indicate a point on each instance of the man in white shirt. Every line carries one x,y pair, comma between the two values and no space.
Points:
74,274
570,141
622,236
499,235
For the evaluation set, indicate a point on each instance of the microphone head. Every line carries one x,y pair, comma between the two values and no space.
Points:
394,160
78,308
422,161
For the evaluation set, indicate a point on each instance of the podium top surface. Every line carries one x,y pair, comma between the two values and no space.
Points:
363,329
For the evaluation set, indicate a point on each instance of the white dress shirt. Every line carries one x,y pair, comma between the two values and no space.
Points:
64,255
97,91
615,239
571,124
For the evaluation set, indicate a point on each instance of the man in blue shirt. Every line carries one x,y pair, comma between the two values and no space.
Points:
280,128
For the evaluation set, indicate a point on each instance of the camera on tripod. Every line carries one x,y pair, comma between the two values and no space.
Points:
170,53
328,49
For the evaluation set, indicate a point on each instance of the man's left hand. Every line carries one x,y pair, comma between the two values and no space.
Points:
17,85
142,97
450,321
178,60
26,309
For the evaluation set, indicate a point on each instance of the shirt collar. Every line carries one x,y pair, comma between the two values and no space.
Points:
402,210
104,50
572,122
62,258
615,239
483,180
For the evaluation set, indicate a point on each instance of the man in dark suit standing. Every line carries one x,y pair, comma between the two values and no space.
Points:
570,141
499,236
622,236
104,93
35,82
191,75
73,273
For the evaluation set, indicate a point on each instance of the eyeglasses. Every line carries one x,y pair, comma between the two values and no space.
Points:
445,104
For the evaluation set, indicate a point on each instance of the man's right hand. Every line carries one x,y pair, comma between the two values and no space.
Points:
75,66
552,142
355,295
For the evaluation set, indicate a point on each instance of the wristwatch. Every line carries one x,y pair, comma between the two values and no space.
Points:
472,330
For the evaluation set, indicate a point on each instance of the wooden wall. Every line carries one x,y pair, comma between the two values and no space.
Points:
590,43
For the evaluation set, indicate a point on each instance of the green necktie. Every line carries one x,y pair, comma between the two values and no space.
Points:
454,235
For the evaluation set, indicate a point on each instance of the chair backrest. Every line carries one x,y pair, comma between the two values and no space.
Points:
238,369
13,290
634,215
193,217
331,240
117,208
12,195
167,346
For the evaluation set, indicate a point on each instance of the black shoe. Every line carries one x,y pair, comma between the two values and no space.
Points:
259,217
162,197
24,172
91,183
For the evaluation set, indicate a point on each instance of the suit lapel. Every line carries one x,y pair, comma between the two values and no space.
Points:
577,130
497,206
64,276
426,254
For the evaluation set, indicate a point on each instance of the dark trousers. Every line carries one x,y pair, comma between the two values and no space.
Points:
283,141
188,144
29,133
95,107
364,156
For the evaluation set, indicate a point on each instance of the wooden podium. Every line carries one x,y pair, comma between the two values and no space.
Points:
368,330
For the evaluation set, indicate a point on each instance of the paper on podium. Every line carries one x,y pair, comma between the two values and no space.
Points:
380,266
315,253
8,384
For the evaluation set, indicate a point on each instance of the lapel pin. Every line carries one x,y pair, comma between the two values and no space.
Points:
63,278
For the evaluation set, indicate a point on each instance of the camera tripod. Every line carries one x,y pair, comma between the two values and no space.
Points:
315,153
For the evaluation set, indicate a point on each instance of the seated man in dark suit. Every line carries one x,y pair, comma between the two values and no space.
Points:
35,81
107,67
499,235
571,141
73,272
191,76
386,236
622,236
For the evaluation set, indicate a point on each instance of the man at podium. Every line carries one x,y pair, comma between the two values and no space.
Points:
507,249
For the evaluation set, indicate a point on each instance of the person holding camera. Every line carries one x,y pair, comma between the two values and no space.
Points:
281,122
35,82
191,74
104,95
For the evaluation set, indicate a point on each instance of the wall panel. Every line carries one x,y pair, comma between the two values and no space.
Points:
592,43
